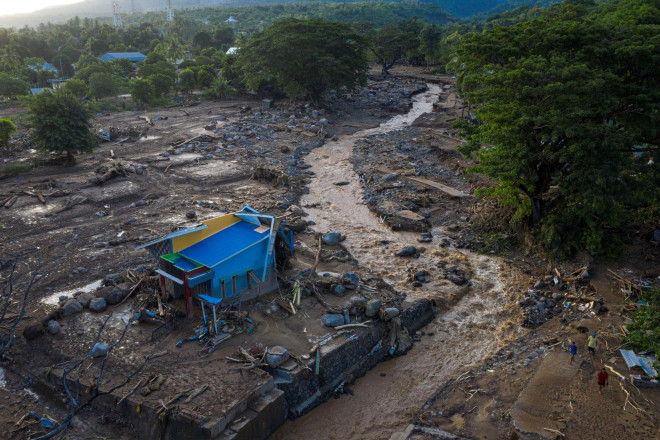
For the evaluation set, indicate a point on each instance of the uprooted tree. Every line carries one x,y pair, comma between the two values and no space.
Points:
567,110
61,124
306,58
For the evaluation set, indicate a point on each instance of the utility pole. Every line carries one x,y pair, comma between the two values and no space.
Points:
116,18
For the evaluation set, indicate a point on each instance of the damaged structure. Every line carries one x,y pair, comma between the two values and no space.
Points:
223,260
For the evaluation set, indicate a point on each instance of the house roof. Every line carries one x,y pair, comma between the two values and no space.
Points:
131,56
39,90
174,234
224,244
232,50
231,20
644,362
44,66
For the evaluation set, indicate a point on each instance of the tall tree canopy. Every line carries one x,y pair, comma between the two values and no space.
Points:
61,123
568,115
304,57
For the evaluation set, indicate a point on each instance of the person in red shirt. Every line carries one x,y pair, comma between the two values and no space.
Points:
602,379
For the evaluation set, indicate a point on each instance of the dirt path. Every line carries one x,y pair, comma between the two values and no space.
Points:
387,397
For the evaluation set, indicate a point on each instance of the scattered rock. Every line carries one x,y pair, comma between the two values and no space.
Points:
112,295
373,306
407,251
333,320
331,238
97,305
351,277
99,349
339,290
276,356
389,177
457,279
112,277
71,307
389,313
342,183
54,327
191,214
84,299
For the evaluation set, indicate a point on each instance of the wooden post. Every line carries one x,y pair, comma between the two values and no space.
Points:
215,321
187,296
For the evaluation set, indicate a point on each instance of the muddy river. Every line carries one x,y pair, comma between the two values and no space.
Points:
384,400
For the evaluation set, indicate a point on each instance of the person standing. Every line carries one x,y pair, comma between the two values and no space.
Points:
602,379
573,349
592,342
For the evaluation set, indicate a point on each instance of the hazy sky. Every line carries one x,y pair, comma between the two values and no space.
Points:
17,6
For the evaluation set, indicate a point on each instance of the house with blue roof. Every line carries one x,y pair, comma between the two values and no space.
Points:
44,66
133,57
221,261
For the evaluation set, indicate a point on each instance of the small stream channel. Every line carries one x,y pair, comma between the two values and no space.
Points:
386,398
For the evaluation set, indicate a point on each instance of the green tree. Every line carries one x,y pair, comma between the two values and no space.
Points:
77,88
202,40
12,87
7,129
221,89
205,78
187,80
223,36
142,91
393,42
103,85
60,123
304,57
568,112
161,83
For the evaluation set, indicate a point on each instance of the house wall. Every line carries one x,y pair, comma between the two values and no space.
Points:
252,258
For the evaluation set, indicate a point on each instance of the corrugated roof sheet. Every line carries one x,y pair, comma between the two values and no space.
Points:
223,244
184,264
131,56
644,362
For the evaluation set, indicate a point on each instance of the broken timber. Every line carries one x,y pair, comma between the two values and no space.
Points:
444,188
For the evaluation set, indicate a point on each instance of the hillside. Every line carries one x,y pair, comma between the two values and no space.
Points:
103,8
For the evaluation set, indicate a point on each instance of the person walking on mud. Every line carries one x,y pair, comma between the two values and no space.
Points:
573,350
602,379
592,342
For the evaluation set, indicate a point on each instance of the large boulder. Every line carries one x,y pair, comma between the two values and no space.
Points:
84,299
276,356
99,349
373,306
97,305
54,327
407,251
333,320
71,307
351,277
331,238
112,295
389,313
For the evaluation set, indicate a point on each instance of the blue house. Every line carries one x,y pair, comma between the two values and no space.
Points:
133,57
221,261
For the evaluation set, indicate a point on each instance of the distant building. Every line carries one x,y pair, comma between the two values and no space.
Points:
232,51
231,20
56,83
133,57
38,90
44,66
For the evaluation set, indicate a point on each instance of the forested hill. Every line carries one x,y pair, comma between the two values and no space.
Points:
103,8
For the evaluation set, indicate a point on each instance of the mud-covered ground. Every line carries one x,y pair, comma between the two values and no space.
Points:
378,166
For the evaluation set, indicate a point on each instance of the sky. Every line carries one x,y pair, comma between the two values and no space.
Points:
20,6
